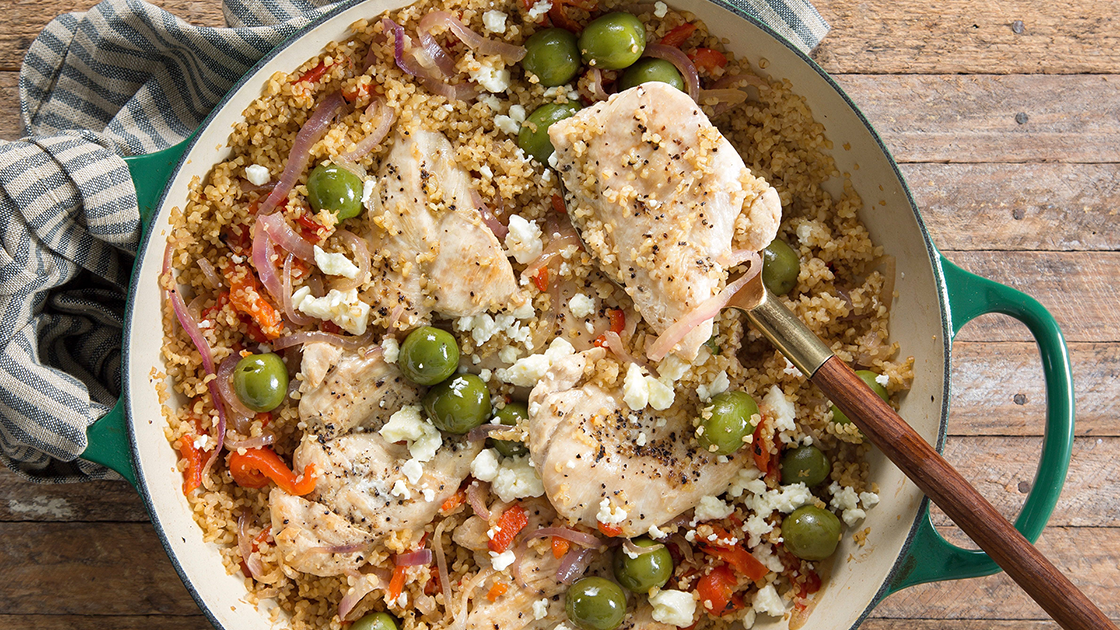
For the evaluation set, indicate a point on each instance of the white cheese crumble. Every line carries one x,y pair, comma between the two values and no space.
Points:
640,389
608,514
507,124
257,174
335,264
485,465
764,553
508,354
517,479
660,9
492,78
368,187
540,608
400,489
502,561
490,101
342,308
844,498
767,601
882,379
202,442
656,533
407,425
581,306
539,9
672,368
526,372
782,411
523,241
675,608
660,395
718,385
712,509
390,349
412,470
494,21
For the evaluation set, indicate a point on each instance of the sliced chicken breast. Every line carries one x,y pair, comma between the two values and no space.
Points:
596,457
431,250
343,390
312,536
657,194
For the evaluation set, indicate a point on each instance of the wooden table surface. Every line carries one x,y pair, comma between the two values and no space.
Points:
1005,118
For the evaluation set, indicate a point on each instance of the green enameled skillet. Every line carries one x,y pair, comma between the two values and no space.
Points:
936,299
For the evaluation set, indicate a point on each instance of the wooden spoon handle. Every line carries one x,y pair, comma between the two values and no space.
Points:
960,501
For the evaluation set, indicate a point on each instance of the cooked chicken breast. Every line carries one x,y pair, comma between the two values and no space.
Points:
660,197
363,478
311,535
343,390
431,250
597,457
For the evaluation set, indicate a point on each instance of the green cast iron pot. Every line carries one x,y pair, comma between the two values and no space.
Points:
937,299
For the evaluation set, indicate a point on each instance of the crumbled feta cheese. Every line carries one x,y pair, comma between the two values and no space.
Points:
494,21
390,349
400,489
608,514
526,372
412,470
712,509
675,608
406,425
368,187
492,78
656,533
257,174
661,396
742,478
502,561
485,466
539,9
507,354
761,502
343,308
581,305
517,479
485,375
791,369
767,601
764,553
523,241
202,442
718,385
868,499
490,101
525,311
845,498
635,389
507,124
553,160
660,9
702,356
540,608
781,409
429,494
641,441
517,113
882,379
672,368
335,264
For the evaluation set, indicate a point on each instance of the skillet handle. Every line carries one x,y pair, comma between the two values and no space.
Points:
930,558
107,438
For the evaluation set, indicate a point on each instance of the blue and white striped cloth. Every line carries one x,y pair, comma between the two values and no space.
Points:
124,78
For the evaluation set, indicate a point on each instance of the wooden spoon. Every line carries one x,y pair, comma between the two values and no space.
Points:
919,461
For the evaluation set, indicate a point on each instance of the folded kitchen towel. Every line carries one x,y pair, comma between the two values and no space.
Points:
124,78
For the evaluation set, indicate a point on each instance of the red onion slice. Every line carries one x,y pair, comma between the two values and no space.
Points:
312,132
615,344
418,558
263,254
224,382
473,40
190,325
706,311
367,583
674,56
572,535
294,316
477,500
594,90
573,565
635,550
441,565
314,336
361,257
729,96
407,62
284,236
211,274
384,115
488,216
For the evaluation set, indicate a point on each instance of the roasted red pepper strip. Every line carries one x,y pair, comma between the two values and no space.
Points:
396,584
559,547
510,523
453,501
258,465
609,530
678,35
717,591
618,320
314,74
192,474
739,559
540,279
245,296
558,204
708,59
497,591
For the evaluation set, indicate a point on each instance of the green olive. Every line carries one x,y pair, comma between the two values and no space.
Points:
780,267
649,69
613,41
509,416
458,404
375,621
729,423
428,355
647,570
595,603
552,55
335,189
811,533
261,381
805,464
868,377
533,137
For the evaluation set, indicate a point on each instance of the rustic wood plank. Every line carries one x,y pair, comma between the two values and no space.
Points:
976,118
114,622
913,36
1078,288
100,568
10,126
1018,206
874,622
87,502
998,389
1085,554
24,19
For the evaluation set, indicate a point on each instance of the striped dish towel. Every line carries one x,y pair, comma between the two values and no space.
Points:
124,78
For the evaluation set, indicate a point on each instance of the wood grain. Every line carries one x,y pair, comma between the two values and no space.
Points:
916,36
973,118
99,622
93,502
